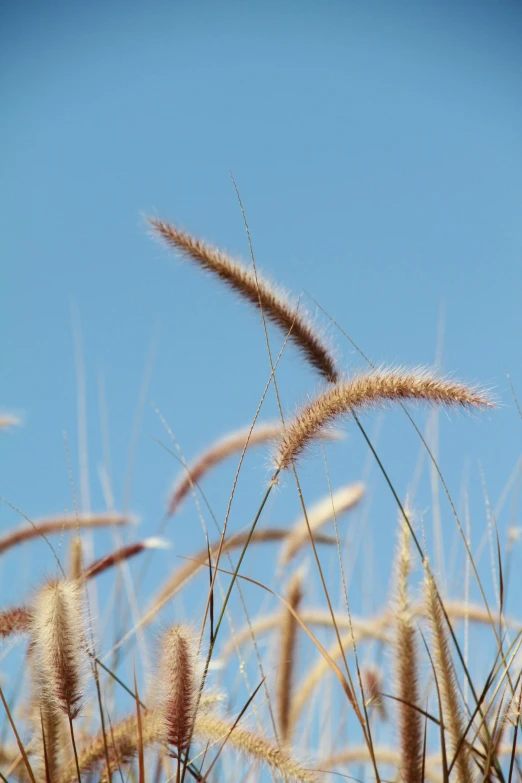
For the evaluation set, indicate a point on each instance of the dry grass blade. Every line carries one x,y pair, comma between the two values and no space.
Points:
333,505
58,642
217,452
15,620
258,291
178,686
123,746
50,525
370,389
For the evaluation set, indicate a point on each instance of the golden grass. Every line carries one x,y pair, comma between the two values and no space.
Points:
407,668
285,717
276,306
445,672
287,656
57,637
370,389
57,525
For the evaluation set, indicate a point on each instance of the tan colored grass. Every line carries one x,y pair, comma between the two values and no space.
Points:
369,389
58,642
318,515
178,686
225,447
59,524
275,304
411,732
123,746
287,656
372,680
447,681
122,741
256,748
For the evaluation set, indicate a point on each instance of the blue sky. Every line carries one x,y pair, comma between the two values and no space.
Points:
376,147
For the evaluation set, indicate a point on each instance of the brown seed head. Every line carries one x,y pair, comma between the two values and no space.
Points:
258,291
178,685
59,645
366,390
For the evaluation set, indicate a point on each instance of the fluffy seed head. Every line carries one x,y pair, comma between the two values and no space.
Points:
447,679
407,666
178,685
16,620
366,390
258,291
59,645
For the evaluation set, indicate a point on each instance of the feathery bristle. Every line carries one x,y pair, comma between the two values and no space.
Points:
178,685
407,667
122,744
254,746
258,291
16,620
57,636
366,390
372,677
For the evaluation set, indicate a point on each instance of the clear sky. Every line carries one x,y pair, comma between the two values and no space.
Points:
377,149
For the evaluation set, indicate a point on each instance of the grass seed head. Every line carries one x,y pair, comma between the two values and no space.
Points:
59,644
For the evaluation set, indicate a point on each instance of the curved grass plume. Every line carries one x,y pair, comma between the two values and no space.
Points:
287,664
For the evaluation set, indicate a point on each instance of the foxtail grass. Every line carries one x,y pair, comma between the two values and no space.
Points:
366,390
275,304
407,667
57,636
447,680
59,524
287,656
179,679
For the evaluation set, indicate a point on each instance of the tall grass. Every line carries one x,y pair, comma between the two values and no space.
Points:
292,689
